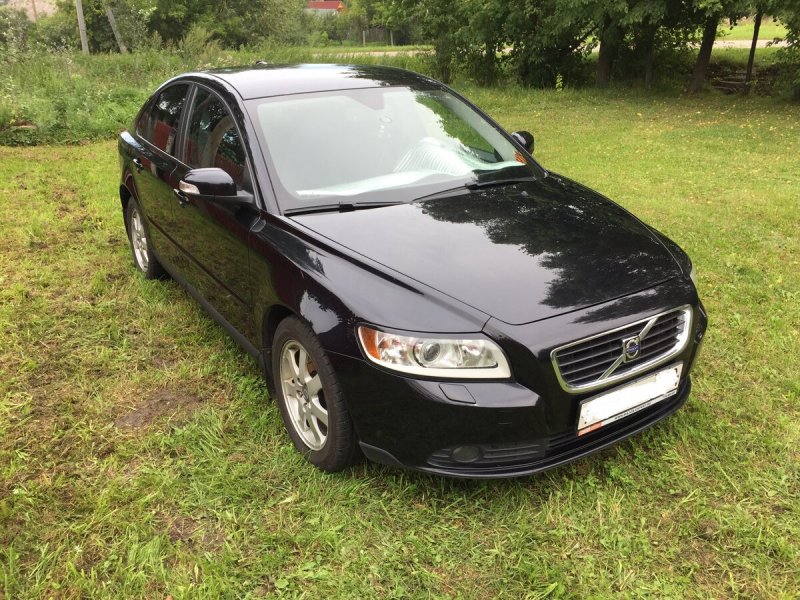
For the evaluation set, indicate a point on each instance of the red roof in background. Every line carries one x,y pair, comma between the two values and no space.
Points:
325,5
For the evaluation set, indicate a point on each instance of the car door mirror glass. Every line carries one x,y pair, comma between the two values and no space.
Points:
524,139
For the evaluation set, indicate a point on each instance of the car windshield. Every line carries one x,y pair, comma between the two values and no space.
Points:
388,144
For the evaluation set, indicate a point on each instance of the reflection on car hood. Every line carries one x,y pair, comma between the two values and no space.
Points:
519,253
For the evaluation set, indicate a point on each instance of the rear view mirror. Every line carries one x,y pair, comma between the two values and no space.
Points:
211,182
524,139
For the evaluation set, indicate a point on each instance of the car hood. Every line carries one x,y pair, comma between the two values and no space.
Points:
520,253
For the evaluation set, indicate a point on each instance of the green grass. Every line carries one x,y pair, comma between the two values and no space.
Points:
375,48
140,455
769,30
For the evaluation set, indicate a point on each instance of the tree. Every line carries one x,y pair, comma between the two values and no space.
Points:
439,22
390,14
788,11
547,39
15,30
234,23
483,39
710,12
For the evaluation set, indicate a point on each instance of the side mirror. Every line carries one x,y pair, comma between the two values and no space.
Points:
209,183
524,139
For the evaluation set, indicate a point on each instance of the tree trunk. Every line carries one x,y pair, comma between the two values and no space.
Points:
649,68
443,53
35,13
604,65
609,46
752,57
704,56
113,22
82,26
647,47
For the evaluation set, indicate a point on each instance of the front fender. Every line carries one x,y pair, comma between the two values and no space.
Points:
333,290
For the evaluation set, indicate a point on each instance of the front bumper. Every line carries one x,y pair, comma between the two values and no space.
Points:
477,429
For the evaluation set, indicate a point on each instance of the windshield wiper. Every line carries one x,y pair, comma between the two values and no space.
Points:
338,207
474,185
477,185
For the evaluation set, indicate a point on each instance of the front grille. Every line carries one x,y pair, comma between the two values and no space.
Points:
600,360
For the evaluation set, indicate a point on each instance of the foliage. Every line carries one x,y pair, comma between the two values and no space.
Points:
234,22
535,42
439,21
59,30
140,455
790,57
16,32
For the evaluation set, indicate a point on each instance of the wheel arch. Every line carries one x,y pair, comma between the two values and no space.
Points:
269,324
126,192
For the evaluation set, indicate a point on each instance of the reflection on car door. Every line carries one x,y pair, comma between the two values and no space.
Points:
213,235
154,165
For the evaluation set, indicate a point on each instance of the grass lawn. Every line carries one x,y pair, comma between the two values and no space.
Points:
141,457
336,49
769,30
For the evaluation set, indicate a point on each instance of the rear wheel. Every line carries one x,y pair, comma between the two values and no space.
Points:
141,247
310,399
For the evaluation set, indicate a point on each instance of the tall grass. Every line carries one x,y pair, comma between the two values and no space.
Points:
70,97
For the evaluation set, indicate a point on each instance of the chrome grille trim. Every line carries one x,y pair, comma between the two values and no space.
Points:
661,338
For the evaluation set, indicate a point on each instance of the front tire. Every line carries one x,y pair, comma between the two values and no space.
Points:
141,247
310,399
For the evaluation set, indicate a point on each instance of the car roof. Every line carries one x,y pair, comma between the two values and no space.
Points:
263,80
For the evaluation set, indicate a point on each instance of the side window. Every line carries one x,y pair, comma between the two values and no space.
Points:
144,122
160,125
213,140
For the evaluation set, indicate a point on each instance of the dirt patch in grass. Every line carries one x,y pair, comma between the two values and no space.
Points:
199,533
162,404
182,529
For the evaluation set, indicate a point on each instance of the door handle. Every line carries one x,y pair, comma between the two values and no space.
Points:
138,164
182,198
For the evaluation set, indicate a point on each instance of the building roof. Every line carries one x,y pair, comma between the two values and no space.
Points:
336,5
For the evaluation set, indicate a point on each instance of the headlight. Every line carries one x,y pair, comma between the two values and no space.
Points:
693,275
477,358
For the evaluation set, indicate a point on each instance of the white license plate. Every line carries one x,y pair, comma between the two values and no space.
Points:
613,406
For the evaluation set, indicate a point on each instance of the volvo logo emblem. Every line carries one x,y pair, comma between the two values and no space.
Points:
631,347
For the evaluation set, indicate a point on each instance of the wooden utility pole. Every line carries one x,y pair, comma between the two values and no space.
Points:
113,22
82,26
752,57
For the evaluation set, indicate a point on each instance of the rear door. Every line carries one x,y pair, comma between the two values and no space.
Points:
212,235
158,129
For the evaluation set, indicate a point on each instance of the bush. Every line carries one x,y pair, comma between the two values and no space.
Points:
199,46
16,33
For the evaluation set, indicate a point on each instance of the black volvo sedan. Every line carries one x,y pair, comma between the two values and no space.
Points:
416,286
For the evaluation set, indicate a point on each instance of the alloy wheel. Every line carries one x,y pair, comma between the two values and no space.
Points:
303,395
139,241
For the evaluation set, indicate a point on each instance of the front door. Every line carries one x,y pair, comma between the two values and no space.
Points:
213,235
155,163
